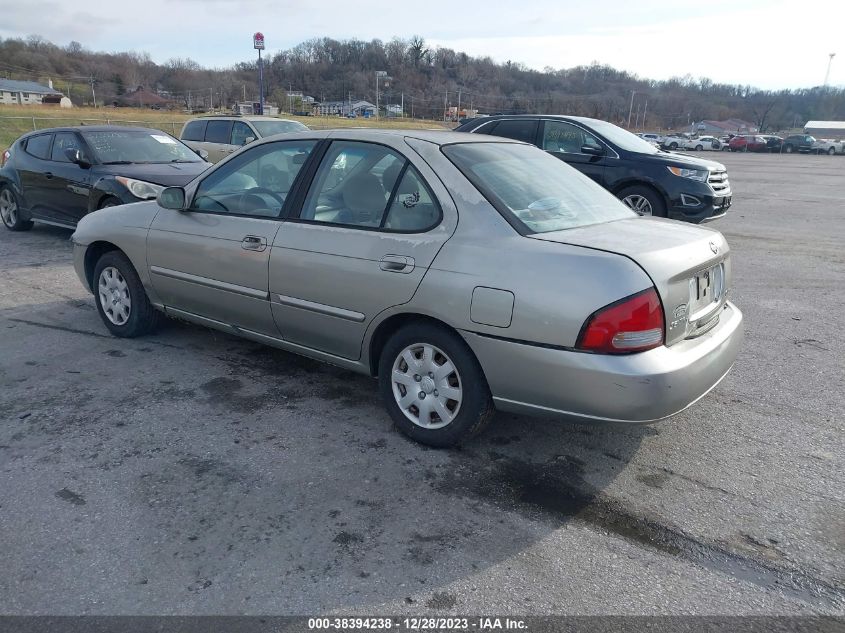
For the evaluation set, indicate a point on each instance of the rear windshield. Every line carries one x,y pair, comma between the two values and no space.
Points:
535,191
137,146
269,128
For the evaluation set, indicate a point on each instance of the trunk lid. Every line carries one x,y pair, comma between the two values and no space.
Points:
688,264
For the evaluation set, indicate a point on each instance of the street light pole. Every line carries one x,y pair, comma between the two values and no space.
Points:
829,62
379,74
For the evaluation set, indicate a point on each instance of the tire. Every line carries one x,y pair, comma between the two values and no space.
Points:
472,409
10,211
831,151
673,146
643,200
788,149
122,304
699,148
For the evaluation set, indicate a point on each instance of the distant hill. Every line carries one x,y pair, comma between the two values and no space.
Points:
424,80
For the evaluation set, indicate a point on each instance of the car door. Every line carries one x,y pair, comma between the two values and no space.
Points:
33,170
211,260
566,141
218,133
69,185
368,230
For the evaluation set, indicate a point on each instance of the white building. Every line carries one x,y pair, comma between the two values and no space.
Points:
13,92
248,108
343,108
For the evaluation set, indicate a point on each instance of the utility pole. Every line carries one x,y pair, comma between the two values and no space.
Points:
93,94
211,98
645,109
458,113
445,105
379,74
829,62
402,107
631,109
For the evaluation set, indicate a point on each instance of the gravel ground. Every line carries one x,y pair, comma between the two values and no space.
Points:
190,472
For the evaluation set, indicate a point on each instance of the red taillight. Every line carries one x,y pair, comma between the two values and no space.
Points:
5,156
633,324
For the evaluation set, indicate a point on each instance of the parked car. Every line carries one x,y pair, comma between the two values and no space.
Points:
798,143
223,135
701,143
828,146
774,144
650,181
748,143
547,297
674,141
654,139
56,176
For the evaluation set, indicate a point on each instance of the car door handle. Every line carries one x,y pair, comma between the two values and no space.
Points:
48,175
254,243
396,264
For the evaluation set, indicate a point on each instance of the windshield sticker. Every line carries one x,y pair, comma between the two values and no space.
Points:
163,139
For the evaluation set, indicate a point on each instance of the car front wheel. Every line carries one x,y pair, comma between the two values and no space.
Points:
643,200
121,300
433,386
10,211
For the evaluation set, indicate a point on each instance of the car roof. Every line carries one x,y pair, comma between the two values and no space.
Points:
239,117
565,117
437,136
95,128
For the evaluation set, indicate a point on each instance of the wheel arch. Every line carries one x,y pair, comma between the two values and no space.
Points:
93,254
390,325
637,182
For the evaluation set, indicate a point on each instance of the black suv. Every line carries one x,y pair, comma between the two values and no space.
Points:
798,143
649,180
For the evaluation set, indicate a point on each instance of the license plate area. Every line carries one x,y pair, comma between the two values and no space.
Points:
706,291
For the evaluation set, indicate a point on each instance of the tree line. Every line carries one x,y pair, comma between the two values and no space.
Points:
425,79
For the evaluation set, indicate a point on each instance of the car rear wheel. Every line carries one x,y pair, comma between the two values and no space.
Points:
10,211
673,146
643,200
121,300
788,149
831,151
699,148
433,386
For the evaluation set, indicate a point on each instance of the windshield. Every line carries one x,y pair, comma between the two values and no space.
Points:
269,128
136,146
540,192
622,138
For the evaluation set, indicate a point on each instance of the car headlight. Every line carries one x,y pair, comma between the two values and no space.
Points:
694,174
139,188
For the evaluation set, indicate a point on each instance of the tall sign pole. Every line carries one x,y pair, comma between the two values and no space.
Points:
258,44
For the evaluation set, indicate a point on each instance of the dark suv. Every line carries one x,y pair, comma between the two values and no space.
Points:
798,143
650,181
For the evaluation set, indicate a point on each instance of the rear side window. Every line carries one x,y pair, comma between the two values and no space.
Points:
218,132
517,129
194,131
39,146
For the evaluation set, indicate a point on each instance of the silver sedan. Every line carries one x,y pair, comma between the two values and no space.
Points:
467,273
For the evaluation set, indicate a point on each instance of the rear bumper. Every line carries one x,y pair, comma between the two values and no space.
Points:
636,388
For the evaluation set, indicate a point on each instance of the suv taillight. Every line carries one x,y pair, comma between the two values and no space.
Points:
633,324
5,156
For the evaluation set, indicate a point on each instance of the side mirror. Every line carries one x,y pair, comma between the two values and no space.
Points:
75,155
201,153
172,198
248,140
592,150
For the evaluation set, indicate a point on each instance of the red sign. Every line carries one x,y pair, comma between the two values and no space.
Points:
258,41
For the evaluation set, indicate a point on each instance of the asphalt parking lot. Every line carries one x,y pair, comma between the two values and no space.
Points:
190,472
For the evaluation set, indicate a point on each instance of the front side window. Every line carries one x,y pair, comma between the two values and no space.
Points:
118,147
560,136
256,182
370,186
62,142
534,191
218,132
240,132
39,146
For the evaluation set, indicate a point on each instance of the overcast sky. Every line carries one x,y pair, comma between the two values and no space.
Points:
764,43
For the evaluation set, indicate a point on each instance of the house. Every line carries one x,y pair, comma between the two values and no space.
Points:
344,108
825,129
729,126
141,98
249,108
13,92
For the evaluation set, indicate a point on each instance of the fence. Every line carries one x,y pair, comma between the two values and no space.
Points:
175,126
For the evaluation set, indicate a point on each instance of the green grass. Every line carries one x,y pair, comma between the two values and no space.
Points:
17,120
